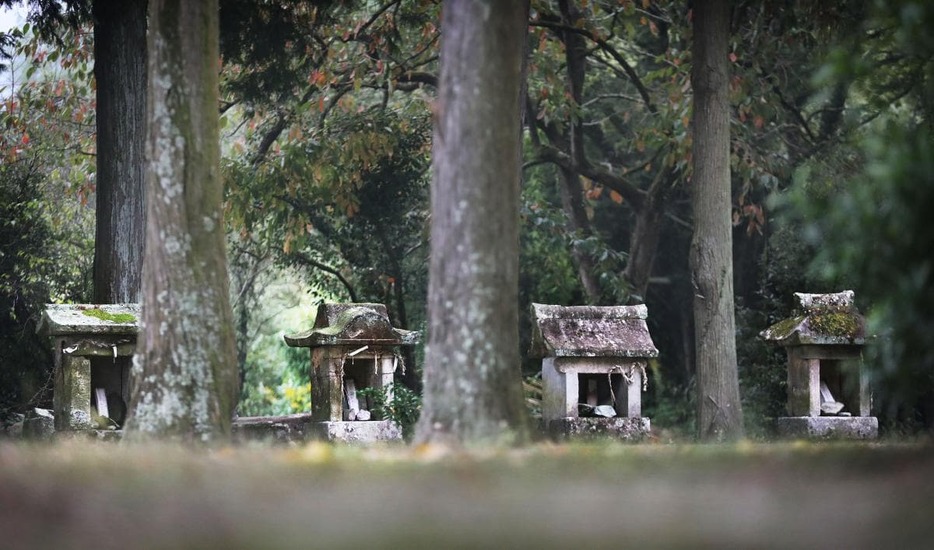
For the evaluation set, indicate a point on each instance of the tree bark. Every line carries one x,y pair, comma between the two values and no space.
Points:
719,413
646,234
120,73
185,373
572,193
472,382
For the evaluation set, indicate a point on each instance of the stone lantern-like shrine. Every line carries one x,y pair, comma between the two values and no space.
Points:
92,349
828,384
593,369
353,347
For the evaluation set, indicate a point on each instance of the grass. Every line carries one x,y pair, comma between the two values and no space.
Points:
75,494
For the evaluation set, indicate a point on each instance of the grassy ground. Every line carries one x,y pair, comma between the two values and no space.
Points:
791,495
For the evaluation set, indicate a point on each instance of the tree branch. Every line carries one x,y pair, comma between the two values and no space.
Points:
611,51
311,262
632,194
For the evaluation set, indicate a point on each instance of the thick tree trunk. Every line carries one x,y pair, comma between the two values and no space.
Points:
719,413
120,73
472,388
185,376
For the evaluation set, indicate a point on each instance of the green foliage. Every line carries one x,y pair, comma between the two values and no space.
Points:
46,179
276,380
404,408
873,229
347,205
269,302
669,402
48,122
25,361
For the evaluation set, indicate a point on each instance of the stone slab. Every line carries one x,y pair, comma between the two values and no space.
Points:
89,435
71,319
590,331
828,427
371,431
275,429
38,428
625,428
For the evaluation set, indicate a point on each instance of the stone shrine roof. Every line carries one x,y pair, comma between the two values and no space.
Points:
89,319
352,324
820,319
590,331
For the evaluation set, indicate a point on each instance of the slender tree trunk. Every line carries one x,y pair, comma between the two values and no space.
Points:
572,193
719,414
120,73
473,391
185,376
572,202
646,234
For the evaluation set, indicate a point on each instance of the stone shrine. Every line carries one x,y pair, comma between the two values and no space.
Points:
353,348
92,348
593,369
828,384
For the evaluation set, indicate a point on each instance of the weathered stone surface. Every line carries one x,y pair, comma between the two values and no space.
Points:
69,319
39,412
80,335
356,324
275,429
627,429
823,319
590,331
72,396
15,430
93,435
828,427
355,432
353,348
39,424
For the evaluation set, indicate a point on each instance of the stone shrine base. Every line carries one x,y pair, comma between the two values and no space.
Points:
369,431
625,428
828,427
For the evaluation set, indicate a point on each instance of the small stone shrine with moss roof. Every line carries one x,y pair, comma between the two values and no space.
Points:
92,349
828,385
593,369
354,348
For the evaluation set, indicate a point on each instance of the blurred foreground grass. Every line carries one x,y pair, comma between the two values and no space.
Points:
784,495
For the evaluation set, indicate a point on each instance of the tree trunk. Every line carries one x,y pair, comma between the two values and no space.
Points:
473,391
578,226
719,415
120,73
572,193
646,234
185,376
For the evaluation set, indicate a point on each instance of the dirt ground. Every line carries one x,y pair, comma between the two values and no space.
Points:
788,495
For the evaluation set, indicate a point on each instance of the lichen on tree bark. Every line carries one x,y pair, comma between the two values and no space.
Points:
184,374
472,391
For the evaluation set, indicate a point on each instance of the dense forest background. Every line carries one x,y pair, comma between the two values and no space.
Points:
326,114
